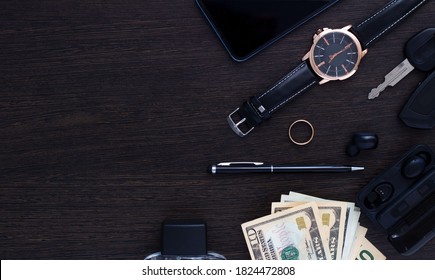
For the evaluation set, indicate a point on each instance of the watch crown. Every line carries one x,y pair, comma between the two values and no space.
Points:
318,32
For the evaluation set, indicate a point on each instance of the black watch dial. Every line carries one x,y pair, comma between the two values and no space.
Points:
336,54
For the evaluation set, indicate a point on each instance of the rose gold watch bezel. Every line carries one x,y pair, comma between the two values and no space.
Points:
319,36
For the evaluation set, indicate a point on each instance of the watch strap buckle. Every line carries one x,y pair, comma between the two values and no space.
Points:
235,126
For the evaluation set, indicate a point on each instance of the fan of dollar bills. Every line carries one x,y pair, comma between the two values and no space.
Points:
303,227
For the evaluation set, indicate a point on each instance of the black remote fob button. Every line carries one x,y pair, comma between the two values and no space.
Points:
419,111
420,50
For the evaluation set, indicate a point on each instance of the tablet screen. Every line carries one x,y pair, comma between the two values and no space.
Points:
247,26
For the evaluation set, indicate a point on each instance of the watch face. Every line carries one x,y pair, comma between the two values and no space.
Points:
335,54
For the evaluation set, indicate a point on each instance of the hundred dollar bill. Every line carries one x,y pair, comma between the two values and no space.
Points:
281,206
364,249
357,241
292,234
351,231
367,251
352,217
333,219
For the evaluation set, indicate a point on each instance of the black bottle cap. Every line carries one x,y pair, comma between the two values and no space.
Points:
184,238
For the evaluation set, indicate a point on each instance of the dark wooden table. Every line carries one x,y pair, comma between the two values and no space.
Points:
110,112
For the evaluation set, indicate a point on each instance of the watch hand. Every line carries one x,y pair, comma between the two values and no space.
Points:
331,57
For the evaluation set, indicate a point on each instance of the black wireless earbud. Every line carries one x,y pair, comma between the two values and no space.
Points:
379,195
362,141
415,165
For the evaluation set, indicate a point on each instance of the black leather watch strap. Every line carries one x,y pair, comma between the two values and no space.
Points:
372,29
259,108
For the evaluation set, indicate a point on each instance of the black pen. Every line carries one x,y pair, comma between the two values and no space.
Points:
260,167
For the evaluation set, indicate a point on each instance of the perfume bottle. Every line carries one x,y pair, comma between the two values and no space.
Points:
184,240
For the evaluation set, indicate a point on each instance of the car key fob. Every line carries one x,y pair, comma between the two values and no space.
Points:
419,111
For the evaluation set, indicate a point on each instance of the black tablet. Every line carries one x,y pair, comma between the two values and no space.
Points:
246,27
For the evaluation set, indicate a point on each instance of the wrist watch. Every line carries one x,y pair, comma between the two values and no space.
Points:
334,55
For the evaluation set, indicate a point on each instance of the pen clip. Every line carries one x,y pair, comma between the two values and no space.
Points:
239,162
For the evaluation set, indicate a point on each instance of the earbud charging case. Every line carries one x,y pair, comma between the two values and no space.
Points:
401,200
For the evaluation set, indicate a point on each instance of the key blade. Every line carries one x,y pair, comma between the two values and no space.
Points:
392,78
398,73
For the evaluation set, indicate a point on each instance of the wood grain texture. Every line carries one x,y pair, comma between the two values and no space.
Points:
110,112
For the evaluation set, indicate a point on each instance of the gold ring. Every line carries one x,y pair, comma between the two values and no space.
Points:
301,143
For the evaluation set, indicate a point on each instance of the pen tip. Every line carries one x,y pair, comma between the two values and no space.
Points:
357,168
